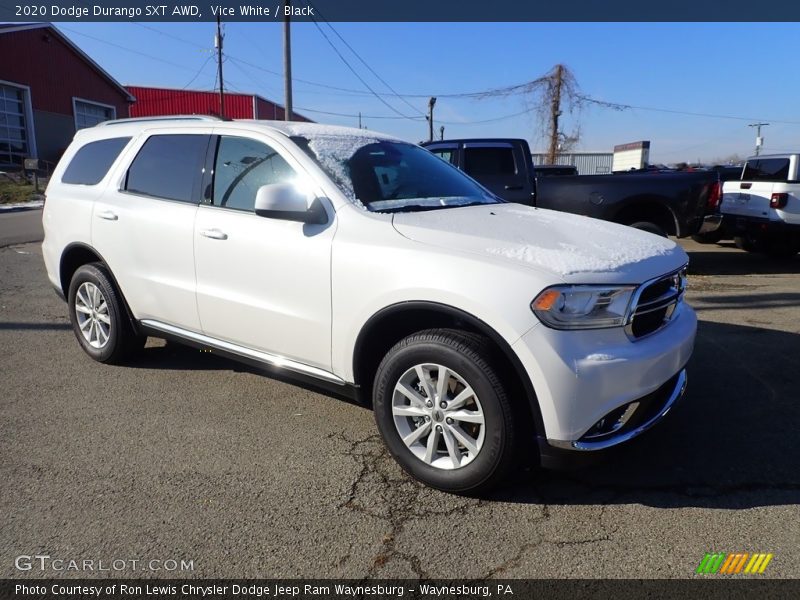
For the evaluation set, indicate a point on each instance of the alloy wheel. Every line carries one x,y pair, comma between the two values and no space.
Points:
438,416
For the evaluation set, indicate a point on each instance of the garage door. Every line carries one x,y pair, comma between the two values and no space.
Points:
14,143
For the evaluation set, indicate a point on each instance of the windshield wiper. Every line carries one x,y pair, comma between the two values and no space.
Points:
412,208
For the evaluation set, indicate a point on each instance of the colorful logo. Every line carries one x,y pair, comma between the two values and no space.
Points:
734,563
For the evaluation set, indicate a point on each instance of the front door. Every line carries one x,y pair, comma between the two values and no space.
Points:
262,283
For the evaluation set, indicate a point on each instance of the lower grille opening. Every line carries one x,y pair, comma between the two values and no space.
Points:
631,415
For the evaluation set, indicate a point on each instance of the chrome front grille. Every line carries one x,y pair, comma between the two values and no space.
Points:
655,303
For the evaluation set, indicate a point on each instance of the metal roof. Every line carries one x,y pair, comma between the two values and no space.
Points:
13,28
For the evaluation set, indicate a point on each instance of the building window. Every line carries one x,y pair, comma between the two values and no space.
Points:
89,114
14,140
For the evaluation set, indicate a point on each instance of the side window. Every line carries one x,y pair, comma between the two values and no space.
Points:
92,161
489,161
767,169
242,166
169,167
446,154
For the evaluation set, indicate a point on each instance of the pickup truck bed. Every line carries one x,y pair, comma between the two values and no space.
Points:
671,203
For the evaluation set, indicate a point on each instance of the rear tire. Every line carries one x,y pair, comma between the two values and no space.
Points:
712,237
649,228
456,434
98,316
746,243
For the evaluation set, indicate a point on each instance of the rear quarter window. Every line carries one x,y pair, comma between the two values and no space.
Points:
766,169
92,161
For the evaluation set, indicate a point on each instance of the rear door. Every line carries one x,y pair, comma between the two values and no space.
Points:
500,167
143,226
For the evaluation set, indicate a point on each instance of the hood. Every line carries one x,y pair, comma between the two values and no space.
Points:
562,244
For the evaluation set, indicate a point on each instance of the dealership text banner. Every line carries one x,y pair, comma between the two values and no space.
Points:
407,10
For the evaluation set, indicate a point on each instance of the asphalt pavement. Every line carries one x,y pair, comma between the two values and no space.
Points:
183,455
19,226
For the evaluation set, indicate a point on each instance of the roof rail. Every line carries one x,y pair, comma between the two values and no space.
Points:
164,118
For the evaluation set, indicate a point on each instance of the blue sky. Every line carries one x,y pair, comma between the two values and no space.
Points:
736,69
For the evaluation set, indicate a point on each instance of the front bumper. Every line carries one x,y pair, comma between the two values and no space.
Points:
584,377
654,407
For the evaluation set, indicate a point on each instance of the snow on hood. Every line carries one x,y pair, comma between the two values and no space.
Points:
560,243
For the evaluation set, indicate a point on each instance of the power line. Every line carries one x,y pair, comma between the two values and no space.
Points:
371,70
170,35
507,90
200,70
150,56
361,79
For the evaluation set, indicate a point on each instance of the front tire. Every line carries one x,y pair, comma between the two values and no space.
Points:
98,316
443,412
649,228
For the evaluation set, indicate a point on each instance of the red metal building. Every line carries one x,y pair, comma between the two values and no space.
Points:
49,88
151,102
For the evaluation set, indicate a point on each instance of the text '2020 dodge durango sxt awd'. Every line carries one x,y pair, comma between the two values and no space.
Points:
361,261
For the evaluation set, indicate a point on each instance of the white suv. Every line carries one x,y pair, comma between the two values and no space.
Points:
471,325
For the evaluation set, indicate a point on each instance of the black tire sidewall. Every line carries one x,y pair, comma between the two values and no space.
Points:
649,228
97,276
497,417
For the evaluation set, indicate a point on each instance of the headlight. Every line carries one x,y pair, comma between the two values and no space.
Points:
583,306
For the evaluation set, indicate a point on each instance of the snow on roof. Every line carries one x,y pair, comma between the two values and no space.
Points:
309,130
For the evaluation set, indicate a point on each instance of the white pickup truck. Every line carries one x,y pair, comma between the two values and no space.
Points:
762,210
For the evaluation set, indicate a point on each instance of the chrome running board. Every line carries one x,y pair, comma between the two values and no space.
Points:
262,357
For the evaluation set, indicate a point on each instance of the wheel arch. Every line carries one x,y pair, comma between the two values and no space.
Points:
76,255
392,323
653,209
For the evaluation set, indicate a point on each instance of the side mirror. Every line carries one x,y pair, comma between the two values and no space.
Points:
285,201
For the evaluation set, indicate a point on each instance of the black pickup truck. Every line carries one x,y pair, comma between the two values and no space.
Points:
671,203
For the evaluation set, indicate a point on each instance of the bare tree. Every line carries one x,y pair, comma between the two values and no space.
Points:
550,96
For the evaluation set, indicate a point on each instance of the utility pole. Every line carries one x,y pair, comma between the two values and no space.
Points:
555,112
359,119
218,44
287,62
431,104
759,139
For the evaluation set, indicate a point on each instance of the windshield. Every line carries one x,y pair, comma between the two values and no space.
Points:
389,176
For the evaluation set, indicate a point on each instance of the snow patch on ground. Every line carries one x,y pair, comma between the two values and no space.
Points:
21,205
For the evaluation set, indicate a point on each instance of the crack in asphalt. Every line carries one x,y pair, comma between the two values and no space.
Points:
398,498
401,499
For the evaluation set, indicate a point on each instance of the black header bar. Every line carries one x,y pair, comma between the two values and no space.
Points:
404,11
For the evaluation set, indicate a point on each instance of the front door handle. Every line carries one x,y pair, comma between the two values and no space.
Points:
107,215
214,234
513,187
